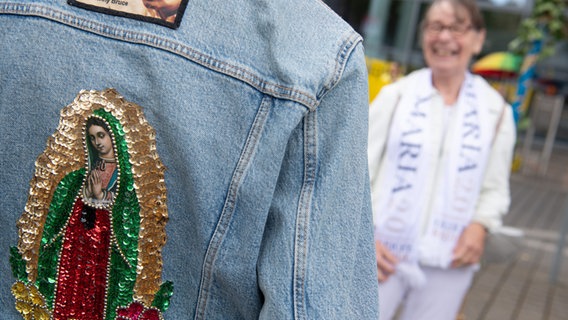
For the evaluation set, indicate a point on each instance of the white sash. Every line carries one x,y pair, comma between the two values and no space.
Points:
411,161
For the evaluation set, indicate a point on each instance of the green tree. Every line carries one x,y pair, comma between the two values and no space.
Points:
547,24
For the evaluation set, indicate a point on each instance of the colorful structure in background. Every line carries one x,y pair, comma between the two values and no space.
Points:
510,76
498,65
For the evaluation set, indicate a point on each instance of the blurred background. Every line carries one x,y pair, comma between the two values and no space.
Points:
522,275
390,29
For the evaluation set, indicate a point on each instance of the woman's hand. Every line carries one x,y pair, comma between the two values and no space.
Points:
386,261
470,246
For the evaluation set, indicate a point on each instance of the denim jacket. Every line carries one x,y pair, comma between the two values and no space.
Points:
260,111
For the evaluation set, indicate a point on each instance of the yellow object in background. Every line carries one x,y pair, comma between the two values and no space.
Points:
381,73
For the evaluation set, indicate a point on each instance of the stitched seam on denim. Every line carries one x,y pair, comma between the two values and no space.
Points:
303,216
350,43
239,174
238,72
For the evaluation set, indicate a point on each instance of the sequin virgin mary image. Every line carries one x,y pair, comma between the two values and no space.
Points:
91,234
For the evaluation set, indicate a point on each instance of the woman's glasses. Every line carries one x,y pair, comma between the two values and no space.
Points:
436,28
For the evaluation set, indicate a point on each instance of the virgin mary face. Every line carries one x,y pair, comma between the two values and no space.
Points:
100,139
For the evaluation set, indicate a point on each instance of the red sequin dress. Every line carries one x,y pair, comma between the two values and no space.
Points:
82,271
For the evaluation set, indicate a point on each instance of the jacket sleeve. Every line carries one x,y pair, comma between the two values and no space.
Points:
494,197
317,260
341,279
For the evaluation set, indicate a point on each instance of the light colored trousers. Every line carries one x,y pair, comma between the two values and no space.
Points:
439,299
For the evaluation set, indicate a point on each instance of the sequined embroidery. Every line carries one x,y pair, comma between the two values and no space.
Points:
91,234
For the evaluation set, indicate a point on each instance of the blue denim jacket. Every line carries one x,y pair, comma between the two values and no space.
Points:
260,111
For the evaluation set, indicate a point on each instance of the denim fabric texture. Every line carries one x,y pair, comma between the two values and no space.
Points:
260,110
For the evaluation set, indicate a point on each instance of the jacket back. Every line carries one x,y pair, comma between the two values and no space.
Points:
260,113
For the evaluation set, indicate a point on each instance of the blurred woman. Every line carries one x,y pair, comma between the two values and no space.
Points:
440,148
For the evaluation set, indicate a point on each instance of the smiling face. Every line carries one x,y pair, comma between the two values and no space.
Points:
450,39
101,141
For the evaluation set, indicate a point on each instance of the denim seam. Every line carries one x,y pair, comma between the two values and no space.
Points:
303,216
239,72
348,46
239,174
